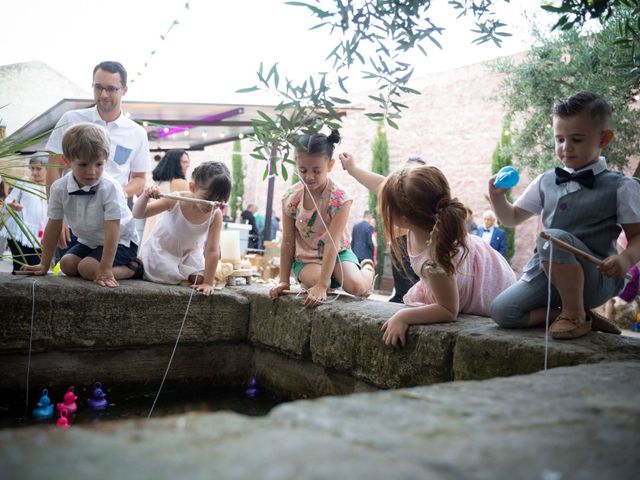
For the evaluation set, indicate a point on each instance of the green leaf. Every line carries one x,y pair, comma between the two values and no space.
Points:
340,100
248,89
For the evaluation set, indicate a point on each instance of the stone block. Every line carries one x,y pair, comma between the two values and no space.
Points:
349,340
283,325
488,351
72,313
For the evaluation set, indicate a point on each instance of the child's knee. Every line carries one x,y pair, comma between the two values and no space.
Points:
69,266
87,268
507,314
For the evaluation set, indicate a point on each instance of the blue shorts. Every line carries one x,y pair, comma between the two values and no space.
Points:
124,255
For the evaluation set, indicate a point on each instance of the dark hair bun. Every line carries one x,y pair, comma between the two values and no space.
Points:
334,137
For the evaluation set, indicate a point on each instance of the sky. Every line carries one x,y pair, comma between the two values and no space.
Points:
216,47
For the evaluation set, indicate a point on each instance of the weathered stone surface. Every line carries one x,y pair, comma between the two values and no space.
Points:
283,325
73,313
355,346
577,422
139,370
337,340
293,378
487,351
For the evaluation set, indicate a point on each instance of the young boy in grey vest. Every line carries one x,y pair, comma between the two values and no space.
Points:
583,204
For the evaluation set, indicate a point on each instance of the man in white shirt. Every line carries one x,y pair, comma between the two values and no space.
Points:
128,160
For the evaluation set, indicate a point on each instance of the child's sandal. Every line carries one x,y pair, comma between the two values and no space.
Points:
566,327
601,324
137,267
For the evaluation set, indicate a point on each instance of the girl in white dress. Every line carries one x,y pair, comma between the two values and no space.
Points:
185,242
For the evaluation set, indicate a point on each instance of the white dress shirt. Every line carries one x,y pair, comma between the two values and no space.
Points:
86,214
129,145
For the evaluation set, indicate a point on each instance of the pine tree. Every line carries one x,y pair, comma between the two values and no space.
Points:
379,164
237,188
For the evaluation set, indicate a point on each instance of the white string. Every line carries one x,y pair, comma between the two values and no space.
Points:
33,312
184,319
546,328
337,292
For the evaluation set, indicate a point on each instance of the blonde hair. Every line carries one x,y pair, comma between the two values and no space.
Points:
86,141
422,195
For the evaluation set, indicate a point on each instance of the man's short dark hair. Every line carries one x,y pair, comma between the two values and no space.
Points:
593,104
113,67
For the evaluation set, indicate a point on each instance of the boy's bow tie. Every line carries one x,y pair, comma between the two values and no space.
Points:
91,191
585,177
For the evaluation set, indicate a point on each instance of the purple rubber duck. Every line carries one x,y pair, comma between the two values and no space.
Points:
98,399
252,391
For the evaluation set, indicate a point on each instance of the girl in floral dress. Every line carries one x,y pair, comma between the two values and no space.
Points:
315,240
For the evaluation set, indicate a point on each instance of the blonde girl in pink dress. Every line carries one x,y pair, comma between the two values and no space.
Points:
459,273
315,240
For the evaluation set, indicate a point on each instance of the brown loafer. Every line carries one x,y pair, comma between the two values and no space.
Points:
601,324
566,327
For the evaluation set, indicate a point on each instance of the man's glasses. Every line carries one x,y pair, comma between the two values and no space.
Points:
110,90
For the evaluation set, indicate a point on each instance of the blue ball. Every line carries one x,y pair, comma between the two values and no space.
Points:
507,177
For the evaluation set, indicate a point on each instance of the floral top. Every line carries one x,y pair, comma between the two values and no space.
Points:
311,235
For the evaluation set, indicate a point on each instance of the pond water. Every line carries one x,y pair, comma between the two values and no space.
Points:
123,406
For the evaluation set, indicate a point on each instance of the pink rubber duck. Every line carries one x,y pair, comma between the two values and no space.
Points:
63,422
69,402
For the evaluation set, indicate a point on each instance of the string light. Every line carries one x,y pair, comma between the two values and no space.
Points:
154,51
186,133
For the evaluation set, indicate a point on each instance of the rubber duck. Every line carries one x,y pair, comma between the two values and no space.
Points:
63,421
44,407
69,402
252,391
98,399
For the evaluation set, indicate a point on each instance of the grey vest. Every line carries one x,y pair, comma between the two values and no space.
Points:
589,213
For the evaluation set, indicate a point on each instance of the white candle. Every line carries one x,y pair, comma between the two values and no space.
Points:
230,246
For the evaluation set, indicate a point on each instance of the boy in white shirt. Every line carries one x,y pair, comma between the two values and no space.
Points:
94,206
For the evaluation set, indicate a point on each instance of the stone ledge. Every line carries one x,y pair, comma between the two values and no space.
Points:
331,343
577,422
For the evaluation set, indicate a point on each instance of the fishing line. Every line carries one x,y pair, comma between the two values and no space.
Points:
339,291
546,327
33,313
184,319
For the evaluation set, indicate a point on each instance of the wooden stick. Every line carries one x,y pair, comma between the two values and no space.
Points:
23,272
191,200
575,251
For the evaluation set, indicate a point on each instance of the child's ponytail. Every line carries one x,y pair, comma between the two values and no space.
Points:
449,233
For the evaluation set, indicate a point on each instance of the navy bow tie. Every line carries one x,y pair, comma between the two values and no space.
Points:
487,230
91,191
585,177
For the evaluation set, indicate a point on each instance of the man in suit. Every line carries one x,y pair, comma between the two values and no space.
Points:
362,237
491,234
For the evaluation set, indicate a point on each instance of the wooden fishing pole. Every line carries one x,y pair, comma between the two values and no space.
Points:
191,200
575,251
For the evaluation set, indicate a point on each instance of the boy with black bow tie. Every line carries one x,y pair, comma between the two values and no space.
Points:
94,206
583,204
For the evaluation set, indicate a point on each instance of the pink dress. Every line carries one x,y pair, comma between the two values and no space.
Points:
481,276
